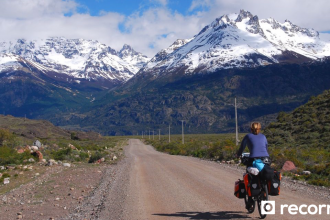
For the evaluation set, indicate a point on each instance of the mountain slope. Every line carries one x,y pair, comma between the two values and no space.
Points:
303,136
239,41
307,126
205,102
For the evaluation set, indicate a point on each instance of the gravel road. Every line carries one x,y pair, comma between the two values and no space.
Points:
153,185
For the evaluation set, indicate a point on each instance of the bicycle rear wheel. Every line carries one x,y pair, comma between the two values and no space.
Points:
263,197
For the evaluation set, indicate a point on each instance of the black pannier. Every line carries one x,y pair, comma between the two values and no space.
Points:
274,184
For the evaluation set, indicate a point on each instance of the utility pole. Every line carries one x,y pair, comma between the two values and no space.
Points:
158,134
169,133
237,141
153,134
149,134
182,132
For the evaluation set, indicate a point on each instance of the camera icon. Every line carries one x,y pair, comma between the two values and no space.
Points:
268,207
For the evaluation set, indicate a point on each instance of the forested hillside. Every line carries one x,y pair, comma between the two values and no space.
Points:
303,136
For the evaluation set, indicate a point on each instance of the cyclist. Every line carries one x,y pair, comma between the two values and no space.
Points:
258,147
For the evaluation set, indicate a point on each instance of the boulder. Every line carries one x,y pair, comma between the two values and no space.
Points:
39,154
20,151
37,143
34,148
288,166
66,165
6,180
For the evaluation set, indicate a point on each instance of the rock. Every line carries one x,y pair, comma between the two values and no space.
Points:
20,151
6,180
44,161
34,148
37,143
37,174
307,172
66,165
114,157
2,167
31,160
72,147
288,166
19,216
10,167
4,199
39,154
232,162
102,159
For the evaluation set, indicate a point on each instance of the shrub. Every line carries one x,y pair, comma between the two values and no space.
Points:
64,154
95,157
4,175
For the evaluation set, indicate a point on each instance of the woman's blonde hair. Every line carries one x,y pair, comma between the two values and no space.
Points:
255,127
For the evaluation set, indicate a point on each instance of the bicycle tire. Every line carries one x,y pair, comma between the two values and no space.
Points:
263,197
253,205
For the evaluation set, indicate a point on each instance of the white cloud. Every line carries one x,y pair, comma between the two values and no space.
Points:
162,2
25,9
148,31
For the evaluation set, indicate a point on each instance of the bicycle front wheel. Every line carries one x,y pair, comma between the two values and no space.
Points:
249,205
263,208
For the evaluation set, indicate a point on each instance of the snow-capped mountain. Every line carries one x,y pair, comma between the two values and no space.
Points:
237,41
78,58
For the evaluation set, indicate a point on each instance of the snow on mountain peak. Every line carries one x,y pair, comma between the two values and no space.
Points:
239,40
77,57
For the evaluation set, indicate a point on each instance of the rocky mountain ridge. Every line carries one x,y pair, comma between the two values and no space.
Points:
239,41
78,58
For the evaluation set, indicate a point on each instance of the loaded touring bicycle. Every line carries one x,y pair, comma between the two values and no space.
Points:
259,182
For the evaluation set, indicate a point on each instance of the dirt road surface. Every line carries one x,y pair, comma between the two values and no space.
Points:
154,185
145,185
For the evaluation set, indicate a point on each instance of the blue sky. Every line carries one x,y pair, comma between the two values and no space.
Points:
127,7
147,25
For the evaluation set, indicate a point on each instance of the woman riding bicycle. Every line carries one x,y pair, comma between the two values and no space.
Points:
257,144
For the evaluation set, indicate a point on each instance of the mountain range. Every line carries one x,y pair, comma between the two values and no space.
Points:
267,65
77,58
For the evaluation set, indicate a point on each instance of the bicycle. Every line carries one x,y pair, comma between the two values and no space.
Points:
261,196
